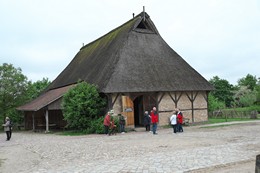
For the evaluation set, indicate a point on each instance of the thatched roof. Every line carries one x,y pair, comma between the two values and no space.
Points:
132,58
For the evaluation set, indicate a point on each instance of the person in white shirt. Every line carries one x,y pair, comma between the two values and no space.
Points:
173,121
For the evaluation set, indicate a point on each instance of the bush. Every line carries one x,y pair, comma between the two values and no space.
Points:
250,108
96,126
81,106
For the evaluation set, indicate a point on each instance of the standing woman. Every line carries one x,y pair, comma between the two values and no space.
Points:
7,128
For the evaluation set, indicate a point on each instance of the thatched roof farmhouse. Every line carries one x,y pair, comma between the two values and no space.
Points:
136,69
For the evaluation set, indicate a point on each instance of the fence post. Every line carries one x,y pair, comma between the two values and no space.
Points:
253,114
257,164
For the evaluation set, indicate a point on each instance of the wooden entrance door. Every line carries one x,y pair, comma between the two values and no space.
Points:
128,110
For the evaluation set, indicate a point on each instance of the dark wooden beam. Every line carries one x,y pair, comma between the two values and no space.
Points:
160,99
192,98
113,102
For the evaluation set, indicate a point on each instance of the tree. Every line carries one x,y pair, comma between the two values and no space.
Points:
245,97
223,90
214,104
13,85
34,89
249,81
82,105
257,89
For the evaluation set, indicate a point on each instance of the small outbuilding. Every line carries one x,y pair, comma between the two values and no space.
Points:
135,69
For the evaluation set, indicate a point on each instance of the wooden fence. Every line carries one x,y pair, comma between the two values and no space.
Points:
233,114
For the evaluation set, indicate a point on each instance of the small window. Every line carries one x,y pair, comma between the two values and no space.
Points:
145,27
142,25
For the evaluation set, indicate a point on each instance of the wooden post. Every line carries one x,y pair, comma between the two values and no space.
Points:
33,122
257,164
192,99
47,120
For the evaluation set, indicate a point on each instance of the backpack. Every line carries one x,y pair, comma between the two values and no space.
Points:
11,124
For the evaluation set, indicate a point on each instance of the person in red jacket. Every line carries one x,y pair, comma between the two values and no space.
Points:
154,120
179,120
107,122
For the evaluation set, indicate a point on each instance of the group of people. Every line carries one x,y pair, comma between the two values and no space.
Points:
109,123
151,118
176,121
8,128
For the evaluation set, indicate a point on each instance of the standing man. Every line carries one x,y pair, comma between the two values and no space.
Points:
154,119
7,128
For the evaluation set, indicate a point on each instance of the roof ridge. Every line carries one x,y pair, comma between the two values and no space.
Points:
135,18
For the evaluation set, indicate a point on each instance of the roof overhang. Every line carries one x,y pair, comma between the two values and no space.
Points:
45,99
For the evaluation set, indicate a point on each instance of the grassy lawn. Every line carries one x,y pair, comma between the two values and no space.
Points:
221,120
209,127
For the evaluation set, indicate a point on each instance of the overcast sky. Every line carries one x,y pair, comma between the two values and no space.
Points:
216,37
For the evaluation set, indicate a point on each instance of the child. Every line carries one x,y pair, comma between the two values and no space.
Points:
112,128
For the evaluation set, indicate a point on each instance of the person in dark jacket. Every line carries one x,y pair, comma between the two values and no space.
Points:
121,123
147,121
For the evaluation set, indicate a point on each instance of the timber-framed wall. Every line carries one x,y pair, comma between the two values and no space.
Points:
193,104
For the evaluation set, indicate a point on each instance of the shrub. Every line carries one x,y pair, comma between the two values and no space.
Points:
81,105
95,126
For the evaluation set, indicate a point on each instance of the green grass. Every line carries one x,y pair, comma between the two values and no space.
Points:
221,120
223,125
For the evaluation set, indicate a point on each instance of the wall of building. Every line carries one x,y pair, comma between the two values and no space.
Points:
167,105
117,107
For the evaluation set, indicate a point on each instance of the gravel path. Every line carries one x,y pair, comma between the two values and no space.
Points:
231,148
